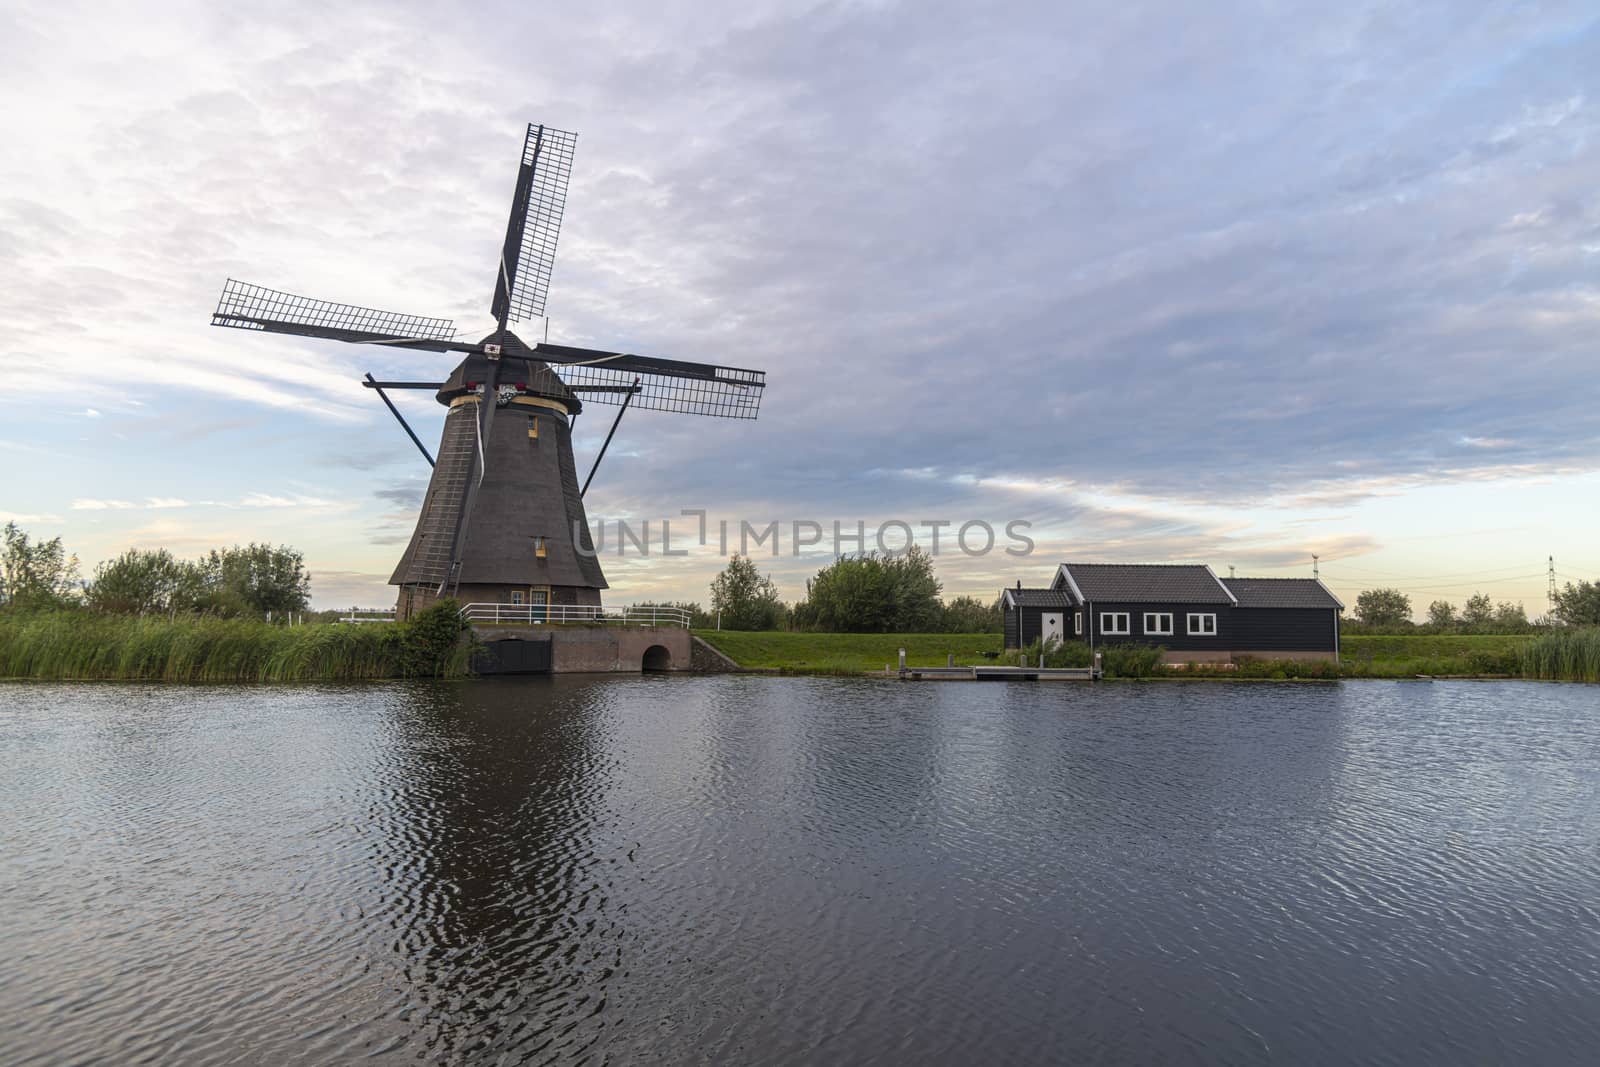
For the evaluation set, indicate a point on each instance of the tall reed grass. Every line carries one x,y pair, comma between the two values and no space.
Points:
72,644
1564,655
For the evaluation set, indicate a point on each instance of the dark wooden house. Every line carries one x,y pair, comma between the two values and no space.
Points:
1183,608
1285,618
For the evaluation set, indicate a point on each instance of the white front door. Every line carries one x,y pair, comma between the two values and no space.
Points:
1052,627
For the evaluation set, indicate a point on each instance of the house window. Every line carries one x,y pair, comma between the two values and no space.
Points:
516,597
538,547
1202,625
1114,622
1077,623
1158,622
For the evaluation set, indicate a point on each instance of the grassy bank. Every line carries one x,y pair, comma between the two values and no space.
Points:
1572,655
847,653
63,645
1436,654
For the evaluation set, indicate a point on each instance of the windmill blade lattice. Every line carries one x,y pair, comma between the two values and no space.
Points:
244,306
529,253
731,393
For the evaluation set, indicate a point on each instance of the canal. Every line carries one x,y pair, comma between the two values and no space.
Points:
794,870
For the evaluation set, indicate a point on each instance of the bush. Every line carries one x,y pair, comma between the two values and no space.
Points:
431,644
1130,661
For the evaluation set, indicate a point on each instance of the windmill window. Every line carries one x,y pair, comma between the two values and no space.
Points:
539,547
1158,622
1203,625
1114,622
533,427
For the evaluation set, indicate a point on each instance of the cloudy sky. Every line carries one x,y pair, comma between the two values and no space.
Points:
1235,284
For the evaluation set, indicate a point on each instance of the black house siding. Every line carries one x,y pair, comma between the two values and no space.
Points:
1023,626
1180,640
1031,626
1285,630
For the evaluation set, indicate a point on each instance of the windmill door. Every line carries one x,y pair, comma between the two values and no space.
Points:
538,604
1052,627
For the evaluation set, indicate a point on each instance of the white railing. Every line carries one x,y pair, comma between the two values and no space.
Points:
538,614
369,615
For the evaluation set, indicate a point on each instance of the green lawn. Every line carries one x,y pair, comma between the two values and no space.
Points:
1363,657
1390,657
847,653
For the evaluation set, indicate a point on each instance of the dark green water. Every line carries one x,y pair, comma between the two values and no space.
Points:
773,870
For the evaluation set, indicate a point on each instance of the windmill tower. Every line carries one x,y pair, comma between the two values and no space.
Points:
503,521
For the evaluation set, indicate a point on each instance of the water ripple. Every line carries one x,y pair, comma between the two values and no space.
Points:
800,870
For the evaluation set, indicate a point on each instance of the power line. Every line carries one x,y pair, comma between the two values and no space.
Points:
1463,584
1430,577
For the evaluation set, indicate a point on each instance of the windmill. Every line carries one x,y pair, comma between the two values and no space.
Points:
503,519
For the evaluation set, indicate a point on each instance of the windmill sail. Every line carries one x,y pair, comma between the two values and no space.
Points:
529,253
243,306
655,384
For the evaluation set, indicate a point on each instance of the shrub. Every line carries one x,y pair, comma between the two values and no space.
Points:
1130,661
1060,654
431,644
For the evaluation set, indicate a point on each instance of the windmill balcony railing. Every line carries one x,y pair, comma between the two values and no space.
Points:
573,614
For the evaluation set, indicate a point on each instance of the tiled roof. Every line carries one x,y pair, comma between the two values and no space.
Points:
1039,598
1134,583
1280,593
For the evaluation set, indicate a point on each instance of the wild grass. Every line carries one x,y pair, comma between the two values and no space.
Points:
1564,655
67,644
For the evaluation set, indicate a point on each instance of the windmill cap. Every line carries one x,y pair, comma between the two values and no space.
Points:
517,367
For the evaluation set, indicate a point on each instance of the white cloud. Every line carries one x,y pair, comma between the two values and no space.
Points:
91,504
269,500
154,502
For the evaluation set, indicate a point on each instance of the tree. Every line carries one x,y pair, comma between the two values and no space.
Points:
254,580
1381,607
1510,619
914,606
969,615
849,595
874,594
35,574
1441,615
744,598
1579,605
139,583
1478,612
